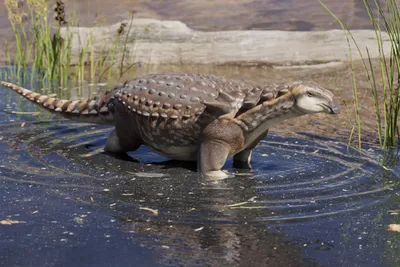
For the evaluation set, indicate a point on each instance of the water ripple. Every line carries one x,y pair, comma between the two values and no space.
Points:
293,179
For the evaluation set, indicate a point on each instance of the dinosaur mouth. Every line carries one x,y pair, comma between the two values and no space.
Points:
332,109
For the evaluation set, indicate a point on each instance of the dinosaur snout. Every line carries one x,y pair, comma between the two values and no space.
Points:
335,106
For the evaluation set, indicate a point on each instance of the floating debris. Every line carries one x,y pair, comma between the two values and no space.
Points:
10,222
394,212
95,152
154,211
147,174
238,204
78,220
394,227
199,229
248,207
25,113
252,199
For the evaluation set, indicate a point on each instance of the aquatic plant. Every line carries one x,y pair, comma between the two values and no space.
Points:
40,47
385,22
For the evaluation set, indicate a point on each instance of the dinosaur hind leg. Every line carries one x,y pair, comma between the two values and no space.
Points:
242,159
116,144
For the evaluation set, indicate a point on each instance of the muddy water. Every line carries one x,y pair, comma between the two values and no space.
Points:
309,201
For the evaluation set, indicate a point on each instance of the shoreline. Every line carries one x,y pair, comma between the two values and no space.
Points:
159,42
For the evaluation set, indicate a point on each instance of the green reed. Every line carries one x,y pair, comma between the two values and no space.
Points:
386,94
40,47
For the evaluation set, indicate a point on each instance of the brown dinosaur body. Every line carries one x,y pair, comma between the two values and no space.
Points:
190,116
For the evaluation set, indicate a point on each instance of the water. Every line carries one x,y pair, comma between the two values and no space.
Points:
309,201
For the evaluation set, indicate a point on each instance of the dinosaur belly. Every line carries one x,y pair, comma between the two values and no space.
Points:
179,142
185,153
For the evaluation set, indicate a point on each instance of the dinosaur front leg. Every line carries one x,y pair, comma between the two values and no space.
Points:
242,160
212,157
220,140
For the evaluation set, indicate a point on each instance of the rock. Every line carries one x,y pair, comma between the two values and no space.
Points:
172,42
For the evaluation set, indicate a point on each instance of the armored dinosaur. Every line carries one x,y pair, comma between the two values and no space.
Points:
191,117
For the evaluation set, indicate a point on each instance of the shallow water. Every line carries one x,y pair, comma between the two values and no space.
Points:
309,201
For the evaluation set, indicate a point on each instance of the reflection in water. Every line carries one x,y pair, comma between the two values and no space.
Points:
233,245
307,201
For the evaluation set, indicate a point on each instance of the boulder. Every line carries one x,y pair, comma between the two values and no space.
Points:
153,41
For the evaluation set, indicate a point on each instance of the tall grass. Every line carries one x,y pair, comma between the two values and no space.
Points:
40,48
386,94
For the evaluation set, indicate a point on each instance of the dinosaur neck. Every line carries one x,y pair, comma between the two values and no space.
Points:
95,110
255,122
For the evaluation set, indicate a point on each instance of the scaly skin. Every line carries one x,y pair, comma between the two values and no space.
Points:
95,110
230,136
190,116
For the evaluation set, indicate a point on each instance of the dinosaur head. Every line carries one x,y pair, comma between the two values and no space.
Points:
311,98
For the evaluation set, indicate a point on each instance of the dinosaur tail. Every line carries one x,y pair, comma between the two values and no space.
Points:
95,110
